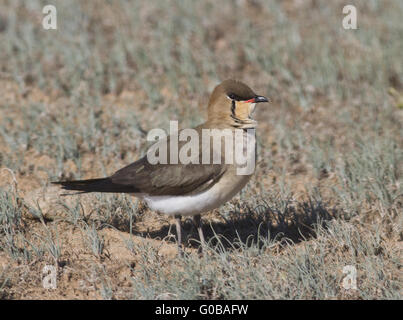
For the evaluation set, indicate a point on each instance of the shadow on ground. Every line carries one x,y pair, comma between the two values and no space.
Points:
295,221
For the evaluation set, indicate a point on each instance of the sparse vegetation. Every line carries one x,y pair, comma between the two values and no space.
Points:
328,190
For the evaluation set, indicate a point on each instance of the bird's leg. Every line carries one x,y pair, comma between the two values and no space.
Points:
179,233
198,223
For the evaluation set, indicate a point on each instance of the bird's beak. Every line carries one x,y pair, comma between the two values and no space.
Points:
258,99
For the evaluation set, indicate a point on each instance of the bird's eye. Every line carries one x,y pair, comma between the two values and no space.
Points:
231,96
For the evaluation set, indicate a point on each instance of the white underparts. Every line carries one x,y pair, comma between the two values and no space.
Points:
189,205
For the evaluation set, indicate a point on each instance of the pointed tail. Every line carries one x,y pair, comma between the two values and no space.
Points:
95,185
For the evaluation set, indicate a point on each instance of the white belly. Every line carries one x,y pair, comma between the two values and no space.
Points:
198,203
184,205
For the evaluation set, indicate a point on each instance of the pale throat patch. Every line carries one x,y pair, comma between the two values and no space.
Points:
244,110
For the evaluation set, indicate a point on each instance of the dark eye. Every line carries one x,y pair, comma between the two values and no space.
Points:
231,96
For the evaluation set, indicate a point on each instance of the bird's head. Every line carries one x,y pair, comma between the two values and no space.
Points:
233,102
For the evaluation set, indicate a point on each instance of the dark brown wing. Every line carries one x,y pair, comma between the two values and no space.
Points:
167,179
159,179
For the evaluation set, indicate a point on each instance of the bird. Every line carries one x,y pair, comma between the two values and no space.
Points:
199,186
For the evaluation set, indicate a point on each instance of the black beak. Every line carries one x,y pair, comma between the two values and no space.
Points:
261,99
